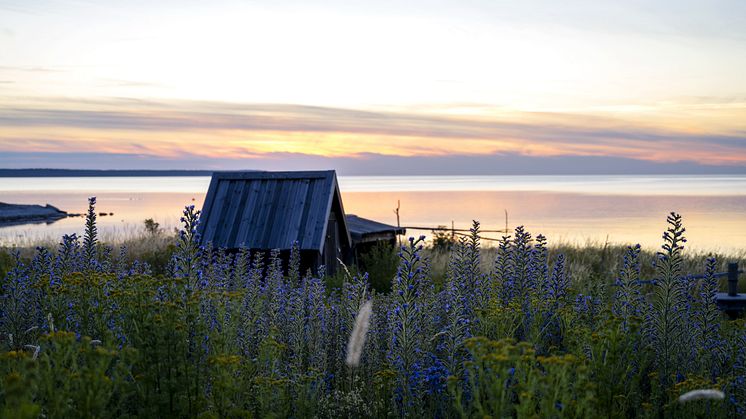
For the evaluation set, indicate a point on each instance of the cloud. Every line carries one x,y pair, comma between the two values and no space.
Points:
229,130
30,69
127,83
367,164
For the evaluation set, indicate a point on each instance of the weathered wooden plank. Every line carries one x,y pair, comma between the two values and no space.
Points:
289,231
345,231
234,214
296,212
282,225
325,207
230,205
311,239
274,189
207,205
276,213
321,212
251,199
259,221
224,226
213,219
305,211
255,224
269,238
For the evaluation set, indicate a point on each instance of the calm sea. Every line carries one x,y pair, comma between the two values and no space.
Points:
579,209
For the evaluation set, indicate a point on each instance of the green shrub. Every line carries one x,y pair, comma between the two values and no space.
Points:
380,262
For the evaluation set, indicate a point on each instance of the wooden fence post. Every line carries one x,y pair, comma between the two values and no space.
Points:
398,224
733,279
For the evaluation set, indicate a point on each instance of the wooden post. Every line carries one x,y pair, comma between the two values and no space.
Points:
733,279
398,225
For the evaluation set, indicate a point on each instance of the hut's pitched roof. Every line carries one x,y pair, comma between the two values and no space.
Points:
363,228
271,210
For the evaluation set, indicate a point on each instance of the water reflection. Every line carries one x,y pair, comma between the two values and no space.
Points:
129,213
713,222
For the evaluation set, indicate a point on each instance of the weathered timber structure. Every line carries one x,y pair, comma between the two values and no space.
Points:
263,211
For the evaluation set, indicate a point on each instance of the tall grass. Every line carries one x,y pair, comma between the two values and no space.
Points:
521,330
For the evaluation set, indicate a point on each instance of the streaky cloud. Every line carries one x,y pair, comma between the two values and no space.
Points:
252,129
369,164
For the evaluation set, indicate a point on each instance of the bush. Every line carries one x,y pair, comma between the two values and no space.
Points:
380,262
442,240
152,228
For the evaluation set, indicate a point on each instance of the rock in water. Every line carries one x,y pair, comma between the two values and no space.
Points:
11,214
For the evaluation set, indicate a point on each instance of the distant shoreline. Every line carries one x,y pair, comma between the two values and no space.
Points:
51,173
99,173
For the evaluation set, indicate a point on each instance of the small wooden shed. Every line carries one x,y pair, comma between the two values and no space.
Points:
272,210
367,233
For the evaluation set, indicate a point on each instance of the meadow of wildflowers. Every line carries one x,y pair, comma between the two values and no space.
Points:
86,332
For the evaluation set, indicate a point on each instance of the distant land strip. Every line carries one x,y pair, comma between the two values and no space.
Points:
98,173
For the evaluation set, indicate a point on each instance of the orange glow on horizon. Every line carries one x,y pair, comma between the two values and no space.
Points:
235,131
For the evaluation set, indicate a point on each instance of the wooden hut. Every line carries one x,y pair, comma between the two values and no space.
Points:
272,210
367,233
263,211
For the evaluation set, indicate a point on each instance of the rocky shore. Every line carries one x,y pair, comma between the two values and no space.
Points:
12,214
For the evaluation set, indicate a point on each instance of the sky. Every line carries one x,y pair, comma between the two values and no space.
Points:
375,87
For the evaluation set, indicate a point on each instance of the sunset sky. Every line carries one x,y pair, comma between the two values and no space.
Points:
375,87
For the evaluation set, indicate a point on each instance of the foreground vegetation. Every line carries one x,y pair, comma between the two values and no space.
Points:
86,331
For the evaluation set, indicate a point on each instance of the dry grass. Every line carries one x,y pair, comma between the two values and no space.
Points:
593,263
589,264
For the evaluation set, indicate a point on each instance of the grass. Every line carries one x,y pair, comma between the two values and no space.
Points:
591,261
169,329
